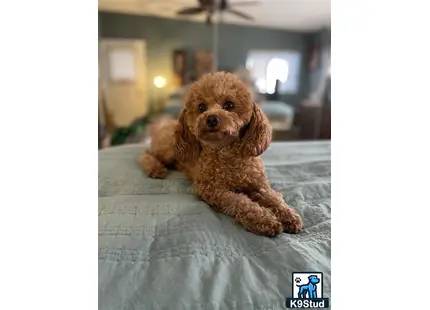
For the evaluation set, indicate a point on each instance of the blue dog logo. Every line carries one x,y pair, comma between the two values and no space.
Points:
309,295
309,290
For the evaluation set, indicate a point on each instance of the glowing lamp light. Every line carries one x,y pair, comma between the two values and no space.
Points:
159,82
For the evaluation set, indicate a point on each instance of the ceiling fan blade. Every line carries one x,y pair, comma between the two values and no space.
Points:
191,11
240,14
245,3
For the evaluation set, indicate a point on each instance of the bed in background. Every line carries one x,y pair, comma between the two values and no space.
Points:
280,114
173,105
161,247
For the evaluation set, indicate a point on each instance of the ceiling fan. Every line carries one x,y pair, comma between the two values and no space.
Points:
209,7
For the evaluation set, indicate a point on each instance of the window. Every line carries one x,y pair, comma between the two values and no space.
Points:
268,66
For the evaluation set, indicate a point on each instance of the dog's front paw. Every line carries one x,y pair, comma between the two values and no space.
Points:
293,223
157,173
265,224
153,168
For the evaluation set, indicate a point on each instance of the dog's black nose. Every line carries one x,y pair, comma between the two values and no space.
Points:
212,121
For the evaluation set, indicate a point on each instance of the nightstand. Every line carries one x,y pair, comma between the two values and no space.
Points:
314,122
285,135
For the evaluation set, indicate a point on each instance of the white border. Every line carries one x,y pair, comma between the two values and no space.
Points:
380,153
48,157
48,161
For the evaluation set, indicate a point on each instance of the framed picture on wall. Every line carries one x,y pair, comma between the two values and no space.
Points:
179,68
204,63
122,65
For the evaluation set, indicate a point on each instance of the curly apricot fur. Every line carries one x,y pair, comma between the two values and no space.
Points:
222,161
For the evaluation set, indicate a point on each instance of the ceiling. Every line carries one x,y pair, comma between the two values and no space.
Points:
297,15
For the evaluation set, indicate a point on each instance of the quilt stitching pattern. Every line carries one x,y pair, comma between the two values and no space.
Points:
145,225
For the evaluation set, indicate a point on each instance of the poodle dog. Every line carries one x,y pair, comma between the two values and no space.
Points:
217,142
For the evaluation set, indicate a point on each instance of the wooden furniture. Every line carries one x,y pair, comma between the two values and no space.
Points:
326,112
314,122
285,135
326,123
308,119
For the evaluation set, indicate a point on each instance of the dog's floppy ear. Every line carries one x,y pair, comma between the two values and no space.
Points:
186,146
258,134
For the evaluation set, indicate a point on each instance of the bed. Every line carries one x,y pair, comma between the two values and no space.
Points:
280,114
161,247
173,105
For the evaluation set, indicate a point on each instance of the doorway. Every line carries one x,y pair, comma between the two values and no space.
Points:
123,75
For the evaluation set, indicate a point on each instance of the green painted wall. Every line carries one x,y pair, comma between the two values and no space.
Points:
162,36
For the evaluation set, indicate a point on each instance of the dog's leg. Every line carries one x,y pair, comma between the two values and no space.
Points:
272,200
161,152
246,212
153,167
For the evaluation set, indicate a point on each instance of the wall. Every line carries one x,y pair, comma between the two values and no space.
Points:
162,36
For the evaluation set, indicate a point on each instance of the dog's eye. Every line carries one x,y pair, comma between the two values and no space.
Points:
202,107
228,106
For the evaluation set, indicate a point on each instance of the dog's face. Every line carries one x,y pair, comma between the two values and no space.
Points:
314,279
218,106
218,111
